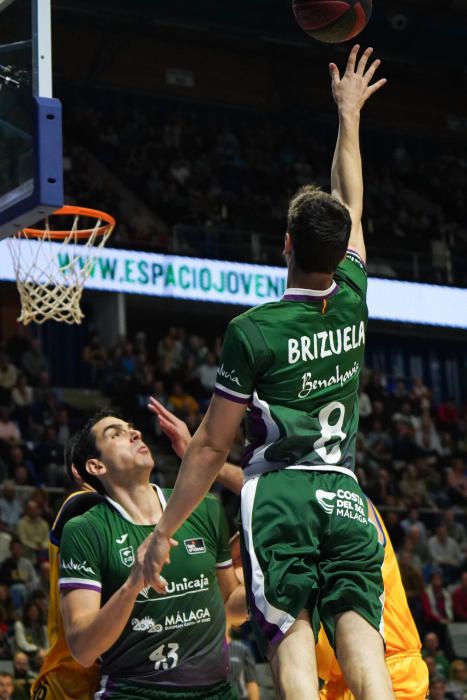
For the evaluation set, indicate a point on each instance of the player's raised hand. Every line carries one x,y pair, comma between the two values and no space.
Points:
175,429
354,87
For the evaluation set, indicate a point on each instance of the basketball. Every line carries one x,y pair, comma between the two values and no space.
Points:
332,21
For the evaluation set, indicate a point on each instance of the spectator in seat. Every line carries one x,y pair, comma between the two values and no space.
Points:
22,675
8,377
431,648
445,553
185,406
419,545
9,431
414,586
48,457
17,572
395,529
457,481
420,394
207,373
438,691
10,506
30,633
35,362
22,394
7,687
448,416
437,605
95,358
17,458
459,600
413,490
455,529
33,530
414,519
457,685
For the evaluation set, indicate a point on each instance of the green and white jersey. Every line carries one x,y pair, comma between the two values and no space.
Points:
296,363
175,640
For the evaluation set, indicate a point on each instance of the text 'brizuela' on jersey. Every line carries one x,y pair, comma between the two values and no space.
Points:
174,640
301,387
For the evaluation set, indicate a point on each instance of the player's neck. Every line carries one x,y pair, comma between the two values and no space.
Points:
140,501
297,279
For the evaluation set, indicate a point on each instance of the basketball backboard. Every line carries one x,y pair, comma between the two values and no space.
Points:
31,168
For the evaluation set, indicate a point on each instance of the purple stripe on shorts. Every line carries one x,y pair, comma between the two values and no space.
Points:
72,586
231,397
272,632
257,431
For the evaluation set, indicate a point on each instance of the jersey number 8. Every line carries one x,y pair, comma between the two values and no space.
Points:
329,431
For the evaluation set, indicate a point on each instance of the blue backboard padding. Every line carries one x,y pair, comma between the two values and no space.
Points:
47,195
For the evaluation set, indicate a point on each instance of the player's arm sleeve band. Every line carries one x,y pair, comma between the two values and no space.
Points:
69,584
352,271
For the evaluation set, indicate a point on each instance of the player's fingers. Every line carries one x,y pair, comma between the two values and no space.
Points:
173,543
364,60
372,70
376,86
159,584
334,71
155,406
166,425
352,59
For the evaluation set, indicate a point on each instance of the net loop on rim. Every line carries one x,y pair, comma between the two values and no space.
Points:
52,265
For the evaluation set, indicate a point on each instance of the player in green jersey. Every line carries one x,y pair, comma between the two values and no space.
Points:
150,646
310,550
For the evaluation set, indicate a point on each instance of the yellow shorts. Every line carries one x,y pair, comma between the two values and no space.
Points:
409,676
65,684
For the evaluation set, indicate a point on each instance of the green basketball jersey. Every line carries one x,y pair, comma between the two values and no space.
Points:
173,640
296,363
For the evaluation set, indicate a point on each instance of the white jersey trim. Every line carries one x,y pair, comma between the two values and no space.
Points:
298,291
273,615
316,468
124,513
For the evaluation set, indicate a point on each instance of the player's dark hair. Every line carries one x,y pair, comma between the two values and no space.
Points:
319,226
82,446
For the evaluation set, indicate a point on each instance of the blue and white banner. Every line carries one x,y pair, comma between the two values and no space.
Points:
173,276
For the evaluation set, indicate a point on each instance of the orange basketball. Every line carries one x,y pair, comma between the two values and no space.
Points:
332,21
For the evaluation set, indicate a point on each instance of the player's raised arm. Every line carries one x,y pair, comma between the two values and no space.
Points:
350,93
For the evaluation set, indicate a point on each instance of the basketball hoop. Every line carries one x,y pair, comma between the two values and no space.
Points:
52,264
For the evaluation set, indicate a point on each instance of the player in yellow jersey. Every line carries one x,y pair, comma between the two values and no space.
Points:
408,671
61,677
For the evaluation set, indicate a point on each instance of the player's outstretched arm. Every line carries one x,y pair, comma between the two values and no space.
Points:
201,464
350,93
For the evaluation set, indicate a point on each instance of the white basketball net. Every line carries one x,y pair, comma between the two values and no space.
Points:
50,274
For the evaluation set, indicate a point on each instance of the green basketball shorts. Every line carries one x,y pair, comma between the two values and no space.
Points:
118,690
307,543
